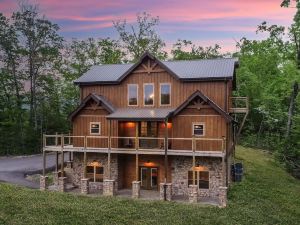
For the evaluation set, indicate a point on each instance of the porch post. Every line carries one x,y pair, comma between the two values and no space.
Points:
62,155
109,147
84,158
136,152
44,162
194,160
166,159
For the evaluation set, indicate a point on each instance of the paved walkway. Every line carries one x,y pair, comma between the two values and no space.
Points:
14,169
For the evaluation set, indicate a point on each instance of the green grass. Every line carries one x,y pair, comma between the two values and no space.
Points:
267,195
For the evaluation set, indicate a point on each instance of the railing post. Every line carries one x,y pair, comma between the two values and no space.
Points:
136,151
62,155
84,157
194,160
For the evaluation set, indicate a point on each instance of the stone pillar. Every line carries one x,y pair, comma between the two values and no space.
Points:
109,188
193,193
222,197
136,189
43,182
169,192
55,178
69,164
62,184
84,186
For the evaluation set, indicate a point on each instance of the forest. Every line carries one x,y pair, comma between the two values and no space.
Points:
38,67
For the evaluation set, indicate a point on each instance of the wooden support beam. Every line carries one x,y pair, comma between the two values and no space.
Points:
194,160
84,158
166,150
44,162
62,155
109,148
136,151
56,161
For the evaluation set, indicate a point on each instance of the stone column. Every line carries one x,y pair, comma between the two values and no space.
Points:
169,192
62,184
69,164
43,182
222,197
193,193
136,189
55,178
84,186
109,188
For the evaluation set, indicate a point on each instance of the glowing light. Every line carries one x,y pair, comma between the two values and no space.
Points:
201,168
149,164
130,124
95,163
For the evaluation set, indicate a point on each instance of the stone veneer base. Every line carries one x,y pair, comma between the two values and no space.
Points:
136,189
169,192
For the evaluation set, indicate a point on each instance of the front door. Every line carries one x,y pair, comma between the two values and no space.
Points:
149,178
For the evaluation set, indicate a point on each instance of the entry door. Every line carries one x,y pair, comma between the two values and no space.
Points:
149,178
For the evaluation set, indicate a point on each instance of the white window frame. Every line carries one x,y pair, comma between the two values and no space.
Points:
160,94
198,123
99,123
197,178
153,94
137,94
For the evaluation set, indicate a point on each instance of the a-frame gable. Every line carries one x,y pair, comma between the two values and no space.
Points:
199,101
93,102
148,64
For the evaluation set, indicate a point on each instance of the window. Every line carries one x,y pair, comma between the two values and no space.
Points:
198,129
94,172
132,94
95,128
201,179
165,94
148,94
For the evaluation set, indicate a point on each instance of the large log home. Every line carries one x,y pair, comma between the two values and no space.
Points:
164,126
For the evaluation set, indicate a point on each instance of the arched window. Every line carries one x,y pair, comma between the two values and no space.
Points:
95,171
201,177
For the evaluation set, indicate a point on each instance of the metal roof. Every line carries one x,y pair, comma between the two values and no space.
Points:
206,69
155,114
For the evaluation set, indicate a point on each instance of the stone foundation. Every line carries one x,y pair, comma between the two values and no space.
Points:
193,193
223,197
96,186
136,189
109,188
55,178
84,186
69,164
43,183
169,191
62,184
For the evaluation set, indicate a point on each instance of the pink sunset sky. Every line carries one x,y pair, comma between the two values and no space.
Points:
205,22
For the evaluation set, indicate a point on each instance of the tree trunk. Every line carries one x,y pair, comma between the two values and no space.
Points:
291,109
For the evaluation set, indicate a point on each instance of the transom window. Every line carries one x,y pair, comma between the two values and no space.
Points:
201,179
198,129
94,172
95,128
165,94
132,94
149,94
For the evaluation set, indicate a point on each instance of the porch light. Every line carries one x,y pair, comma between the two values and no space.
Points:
130,124
200,168
169,125
149,163
95,163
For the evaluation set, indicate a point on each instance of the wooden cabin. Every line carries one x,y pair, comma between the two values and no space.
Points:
165,126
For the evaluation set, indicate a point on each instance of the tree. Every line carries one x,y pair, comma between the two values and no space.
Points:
141,37
186,50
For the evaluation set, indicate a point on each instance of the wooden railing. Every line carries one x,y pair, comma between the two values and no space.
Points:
69,142
238,105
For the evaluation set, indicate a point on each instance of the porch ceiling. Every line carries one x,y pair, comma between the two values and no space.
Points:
136,114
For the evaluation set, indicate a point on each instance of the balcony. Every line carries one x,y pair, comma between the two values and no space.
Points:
213,147
239,105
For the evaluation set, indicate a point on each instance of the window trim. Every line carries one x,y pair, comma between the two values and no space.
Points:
198,123
144,94
137,94
99,123
198,178
160,94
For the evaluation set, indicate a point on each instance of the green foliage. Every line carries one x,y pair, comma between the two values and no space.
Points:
267,195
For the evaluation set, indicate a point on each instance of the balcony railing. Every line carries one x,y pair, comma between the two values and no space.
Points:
132,144
239,105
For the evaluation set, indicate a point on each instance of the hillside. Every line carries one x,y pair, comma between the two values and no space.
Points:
267,195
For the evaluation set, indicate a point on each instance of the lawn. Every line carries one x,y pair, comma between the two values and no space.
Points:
267,195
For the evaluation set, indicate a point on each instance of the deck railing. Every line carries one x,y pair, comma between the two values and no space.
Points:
238,104
93,142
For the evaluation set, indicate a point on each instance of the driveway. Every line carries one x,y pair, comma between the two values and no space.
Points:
14,169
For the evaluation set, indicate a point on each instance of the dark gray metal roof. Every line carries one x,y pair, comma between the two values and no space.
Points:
207,69
157,114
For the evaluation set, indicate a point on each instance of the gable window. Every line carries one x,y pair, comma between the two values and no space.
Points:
132,94
165,94
198,129
95,128
94,172
201,179
148,94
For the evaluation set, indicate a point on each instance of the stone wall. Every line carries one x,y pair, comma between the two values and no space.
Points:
99,157
182,164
